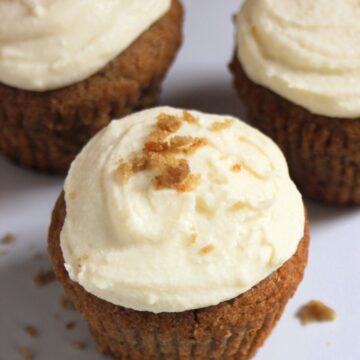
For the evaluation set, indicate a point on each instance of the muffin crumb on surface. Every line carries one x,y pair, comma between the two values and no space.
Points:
70,325
221,125
43,277
31,330
206,249
66,303
8,239
26,353
315,311
77,344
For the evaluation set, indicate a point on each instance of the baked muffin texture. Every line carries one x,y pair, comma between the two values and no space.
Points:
233,329
45,130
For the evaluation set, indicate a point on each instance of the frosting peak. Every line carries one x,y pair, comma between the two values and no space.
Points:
49,44
170,210
306,51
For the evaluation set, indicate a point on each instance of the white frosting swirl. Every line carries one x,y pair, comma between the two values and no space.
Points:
128,243
49,44
306,51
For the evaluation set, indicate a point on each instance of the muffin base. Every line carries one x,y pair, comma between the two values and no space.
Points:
46,130
233,329
323,153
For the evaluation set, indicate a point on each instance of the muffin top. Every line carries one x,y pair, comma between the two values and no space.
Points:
171,210
49,44
306,51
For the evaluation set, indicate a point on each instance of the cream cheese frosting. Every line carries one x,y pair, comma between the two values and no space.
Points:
49,44
163,250
304,50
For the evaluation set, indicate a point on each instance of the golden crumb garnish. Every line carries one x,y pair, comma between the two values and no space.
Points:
31,330
66,303
191,240
70,325
72,195
123,171
186,144
8,239
240,205
191,119
44,277
206,249
315,311
189,183
26,353
172,174
168,123
236,167
158,154
221,125
77,344
253,172
202,207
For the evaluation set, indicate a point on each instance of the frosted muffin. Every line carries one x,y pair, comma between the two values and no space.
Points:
297,71
179,235
69,67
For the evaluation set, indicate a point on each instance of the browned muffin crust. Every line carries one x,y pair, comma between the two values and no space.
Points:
323,153
233,329
46,130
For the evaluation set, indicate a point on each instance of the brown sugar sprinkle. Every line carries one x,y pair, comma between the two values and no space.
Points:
31,331
8,239
44,277
235,168
70,325
206,249
315,311
158,154
77,344
66,303
202,207
26,353
191,119
221,125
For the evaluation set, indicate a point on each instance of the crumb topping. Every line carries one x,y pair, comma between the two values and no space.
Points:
158,154
8,239
190,118
240,205
236,167
206,249
192,238
31,331
72,195
315,311
221,125
44,277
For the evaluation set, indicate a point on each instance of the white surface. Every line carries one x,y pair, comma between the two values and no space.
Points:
199,80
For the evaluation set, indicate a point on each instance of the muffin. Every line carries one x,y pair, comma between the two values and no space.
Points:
297,71
68,68
179,235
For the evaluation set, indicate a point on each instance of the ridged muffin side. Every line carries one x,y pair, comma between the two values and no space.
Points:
46,130
234,329
323,153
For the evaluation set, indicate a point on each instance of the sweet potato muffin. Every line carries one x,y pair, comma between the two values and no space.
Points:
47,116
185,240
297,71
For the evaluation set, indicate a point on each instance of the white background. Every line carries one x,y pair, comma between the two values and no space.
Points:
199,80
